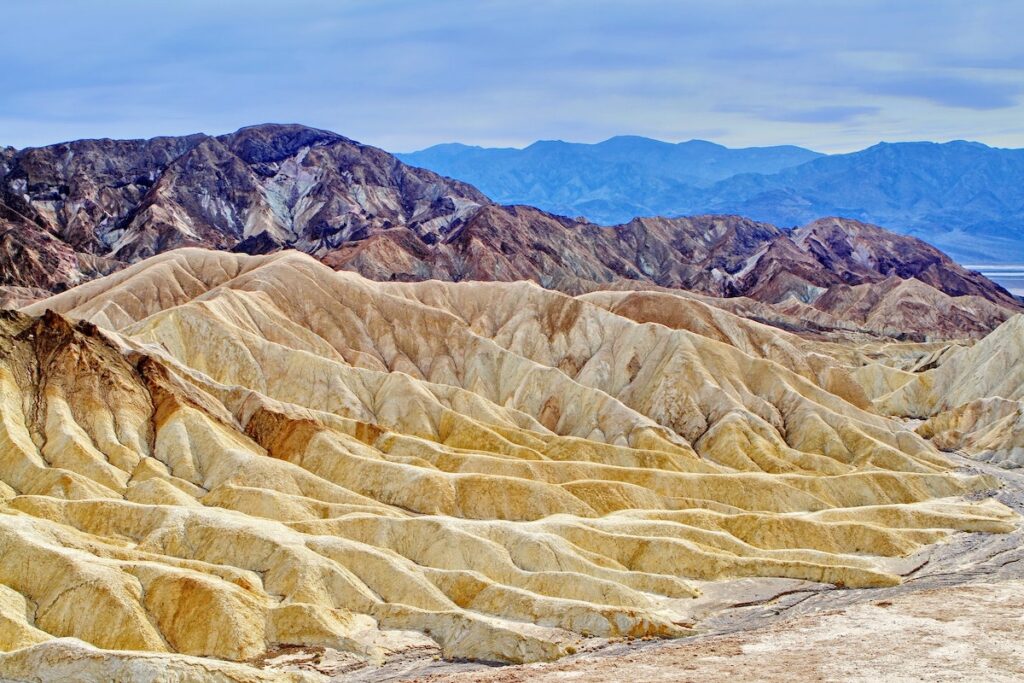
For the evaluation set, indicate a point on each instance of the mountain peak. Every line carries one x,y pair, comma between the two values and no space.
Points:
632,142
269,142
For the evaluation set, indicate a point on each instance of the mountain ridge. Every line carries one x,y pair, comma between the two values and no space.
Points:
963,196
627,170
75,211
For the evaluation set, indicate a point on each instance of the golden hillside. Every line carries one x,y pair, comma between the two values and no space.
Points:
210,455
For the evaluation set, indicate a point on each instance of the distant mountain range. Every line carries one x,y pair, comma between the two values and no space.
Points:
965,197
610,182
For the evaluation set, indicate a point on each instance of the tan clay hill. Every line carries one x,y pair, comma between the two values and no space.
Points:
208,457
973,399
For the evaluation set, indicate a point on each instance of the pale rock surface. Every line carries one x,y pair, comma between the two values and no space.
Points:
69,659
945,635
974,400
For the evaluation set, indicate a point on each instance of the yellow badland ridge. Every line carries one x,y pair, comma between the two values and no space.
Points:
209,455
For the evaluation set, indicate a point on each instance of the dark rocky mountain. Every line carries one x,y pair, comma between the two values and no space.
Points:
273,185
74,211
965,197
608,182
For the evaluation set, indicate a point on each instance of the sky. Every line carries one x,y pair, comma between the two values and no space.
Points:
831,75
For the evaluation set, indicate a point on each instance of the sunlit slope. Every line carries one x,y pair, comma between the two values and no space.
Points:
252,451
974,399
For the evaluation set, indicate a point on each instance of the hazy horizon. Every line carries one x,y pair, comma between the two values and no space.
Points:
522,146
716,142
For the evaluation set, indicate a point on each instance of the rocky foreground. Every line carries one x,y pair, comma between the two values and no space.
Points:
956,616
963,633
239,467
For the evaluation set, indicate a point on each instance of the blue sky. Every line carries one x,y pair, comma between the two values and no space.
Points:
833,75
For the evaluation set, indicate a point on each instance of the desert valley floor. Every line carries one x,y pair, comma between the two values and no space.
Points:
251,468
